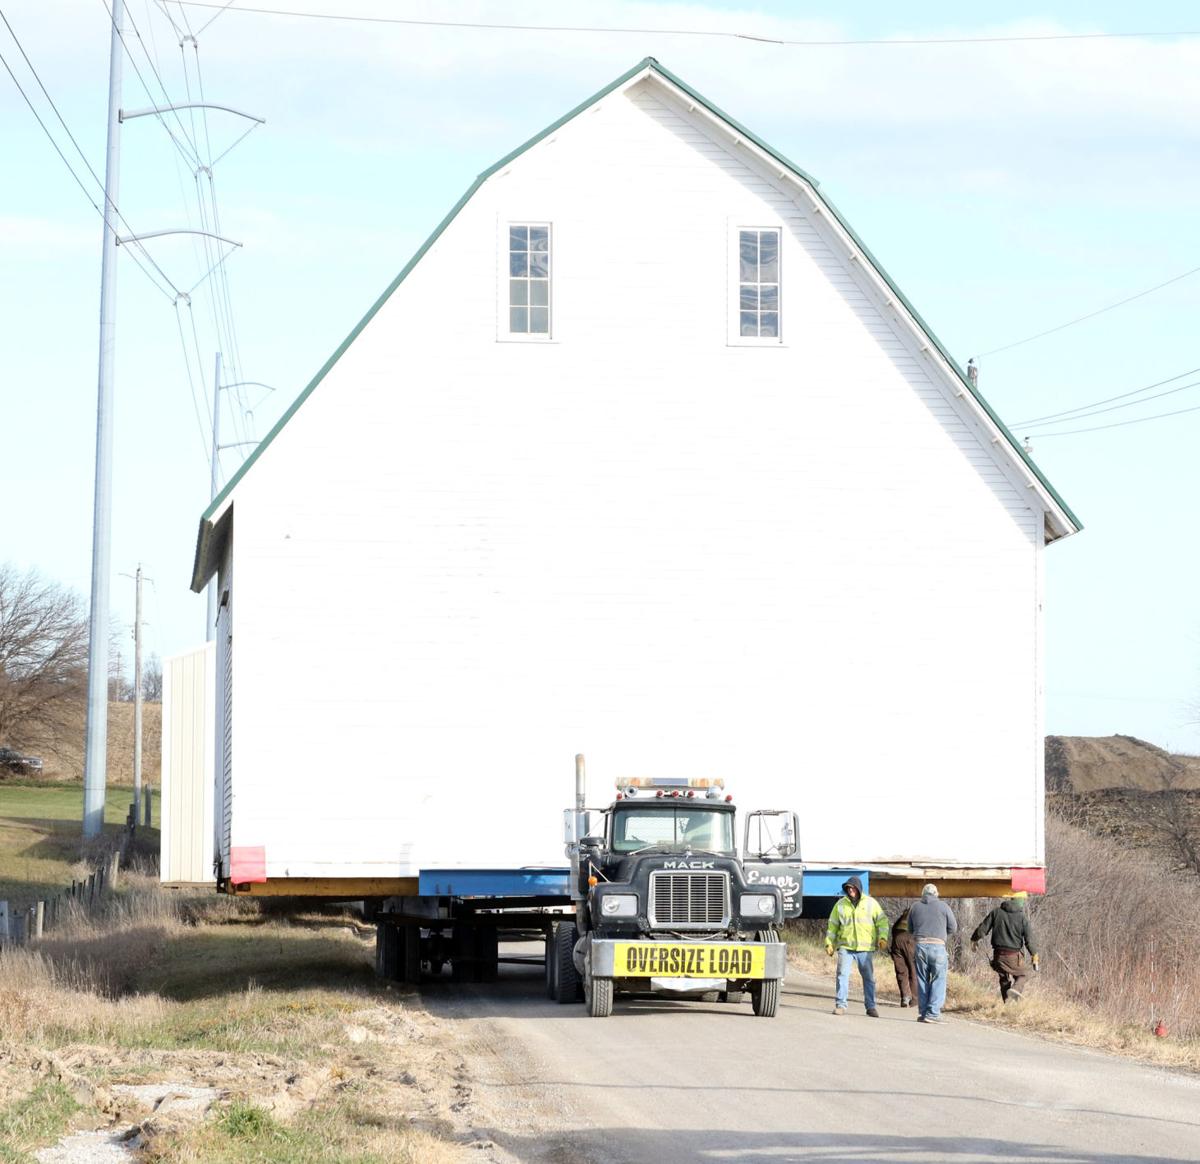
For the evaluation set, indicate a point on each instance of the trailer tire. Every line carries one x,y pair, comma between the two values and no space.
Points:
410,953
598,994
566,977
487,950
462,953
387,947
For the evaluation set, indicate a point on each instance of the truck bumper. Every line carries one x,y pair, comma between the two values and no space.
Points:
643,958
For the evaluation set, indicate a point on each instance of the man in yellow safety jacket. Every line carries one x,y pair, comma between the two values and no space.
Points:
856,926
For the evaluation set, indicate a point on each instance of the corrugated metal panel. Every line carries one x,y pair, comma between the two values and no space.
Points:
188,741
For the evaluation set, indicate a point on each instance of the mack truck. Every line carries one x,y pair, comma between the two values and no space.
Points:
663,903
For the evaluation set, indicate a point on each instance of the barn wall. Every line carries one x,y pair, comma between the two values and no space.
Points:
799,566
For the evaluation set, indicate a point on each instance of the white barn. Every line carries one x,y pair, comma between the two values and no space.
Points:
642,455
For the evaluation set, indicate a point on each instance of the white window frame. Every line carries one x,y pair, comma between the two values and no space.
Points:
503,334
734,282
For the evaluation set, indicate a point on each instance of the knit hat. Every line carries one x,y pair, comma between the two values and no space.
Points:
929,890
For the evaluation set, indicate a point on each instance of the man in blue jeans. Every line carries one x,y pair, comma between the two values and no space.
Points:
931,923
856,926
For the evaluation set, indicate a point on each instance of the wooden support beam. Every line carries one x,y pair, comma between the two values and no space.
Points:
344,888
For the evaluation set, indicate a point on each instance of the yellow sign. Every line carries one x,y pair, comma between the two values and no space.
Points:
688,960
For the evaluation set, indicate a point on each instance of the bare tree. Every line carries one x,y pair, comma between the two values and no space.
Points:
1172,813
152,680
43,658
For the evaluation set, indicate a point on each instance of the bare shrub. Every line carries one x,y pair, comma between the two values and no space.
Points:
1117,933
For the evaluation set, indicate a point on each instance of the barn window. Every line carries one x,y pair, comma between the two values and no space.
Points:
758,284
529,279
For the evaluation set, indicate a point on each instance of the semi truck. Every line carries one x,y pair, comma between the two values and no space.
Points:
665,905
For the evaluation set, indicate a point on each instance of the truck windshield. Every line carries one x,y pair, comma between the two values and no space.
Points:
672,828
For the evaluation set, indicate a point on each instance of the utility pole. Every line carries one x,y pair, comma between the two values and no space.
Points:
137,696
96,739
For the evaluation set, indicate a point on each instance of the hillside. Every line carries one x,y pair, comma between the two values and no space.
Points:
1127,789
1081,764
65,762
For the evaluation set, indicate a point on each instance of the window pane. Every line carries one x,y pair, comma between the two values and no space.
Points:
539,238
748,248
539,264
518,263
768,323
518,319
749,323
518,292
769,300
518,238
539,292
768,254
539,319
749,298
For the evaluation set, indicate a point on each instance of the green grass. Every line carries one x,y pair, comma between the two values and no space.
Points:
39,1118
40,836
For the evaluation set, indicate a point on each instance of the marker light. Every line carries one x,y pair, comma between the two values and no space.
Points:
593,880
624,782
728,799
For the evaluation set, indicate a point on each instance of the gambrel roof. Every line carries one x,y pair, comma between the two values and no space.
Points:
1060,521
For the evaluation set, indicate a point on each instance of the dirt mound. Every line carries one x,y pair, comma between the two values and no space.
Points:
1081,764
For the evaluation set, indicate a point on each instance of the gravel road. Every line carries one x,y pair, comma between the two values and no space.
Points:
661,1083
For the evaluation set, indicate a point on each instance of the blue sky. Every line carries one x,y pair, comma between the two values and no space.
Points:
1006,187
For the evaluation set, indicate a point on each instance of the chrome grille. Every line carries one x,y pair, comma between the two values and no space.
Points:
687,900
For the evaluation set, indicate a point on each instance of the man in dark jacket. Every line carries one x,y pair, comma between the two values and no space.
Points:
1011,932
904,958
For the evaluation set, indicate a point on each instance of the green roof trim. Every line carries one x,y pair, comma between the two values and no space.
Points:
647,63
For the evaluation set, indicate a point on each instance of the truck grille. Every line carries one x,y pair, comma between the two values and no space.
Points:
689,900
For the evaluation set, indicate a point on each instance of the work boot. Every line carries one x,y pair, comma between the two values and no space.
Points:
872,1012
839,1010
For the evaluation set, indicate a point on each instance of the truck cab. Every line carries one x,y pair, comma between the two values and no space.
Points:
665,905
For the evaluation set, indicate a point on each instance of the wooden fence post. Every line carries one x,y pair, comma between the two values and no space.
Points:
39,918
91,890
3,922
114,866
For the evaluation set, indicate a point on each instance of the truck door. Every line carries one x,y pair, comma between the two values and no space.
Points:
771,855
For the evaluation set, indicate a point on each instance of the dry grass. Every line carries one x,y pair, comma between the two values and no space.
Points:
316,1061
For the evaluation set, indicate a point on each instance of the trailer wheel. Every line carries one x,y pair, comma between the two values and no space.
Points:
598,994
566,977
487,950
410,953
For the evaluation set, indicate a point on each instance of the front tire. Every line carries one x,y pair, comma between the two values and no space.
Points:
598,994
566,977
764,995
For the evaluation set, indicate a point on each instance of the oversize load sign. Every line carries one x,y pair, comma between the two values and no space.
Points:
687,960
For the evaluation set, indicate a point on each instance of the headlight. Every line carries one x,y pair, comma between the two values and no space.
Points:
756,905
619,905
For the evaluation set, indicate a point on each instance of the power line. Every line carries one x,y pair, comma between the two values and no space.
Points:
1085,409
71,169
842,43
1127,404
1117,424
1090,315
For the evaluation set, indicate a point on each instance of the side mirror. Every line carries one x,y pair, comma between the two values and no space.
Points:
771,833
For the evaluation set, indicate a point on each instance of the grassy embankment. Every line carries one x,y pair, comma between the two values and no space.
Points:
313,1060
1120,949
41,848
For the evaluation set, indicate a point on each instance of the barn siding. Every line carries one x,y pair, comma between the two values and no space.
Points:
802,567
